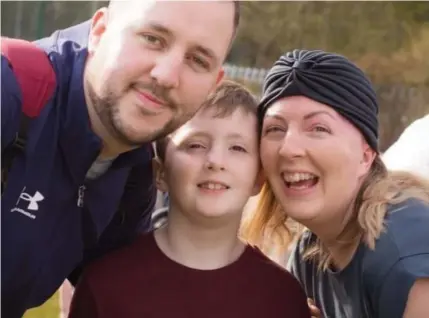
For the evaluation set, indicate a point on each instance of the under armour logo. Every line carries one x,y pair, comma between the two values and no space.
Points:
33,203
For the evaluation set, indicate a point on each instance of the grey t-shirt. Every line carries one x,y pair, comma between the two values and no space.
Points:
98,168
375,284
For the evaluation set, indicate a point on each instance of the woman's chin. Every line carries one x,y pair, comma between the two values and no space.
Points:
303,211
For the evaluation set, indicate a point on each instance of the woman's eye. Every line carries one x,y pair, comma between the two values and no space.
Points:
273,129
319,128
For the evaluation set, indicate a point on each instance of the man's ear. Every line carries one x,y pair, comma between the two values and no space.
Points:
219,79
260,180
98,27
159,171
220,76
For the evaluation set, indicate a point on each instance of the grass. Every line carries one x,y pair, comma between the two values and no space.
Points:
50,309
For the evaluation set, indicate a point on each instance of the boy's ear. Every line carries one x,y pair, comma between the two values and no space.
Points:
260,180
159,171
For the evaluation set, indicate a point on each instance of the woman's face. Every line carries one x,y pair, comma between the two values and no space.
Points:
313,158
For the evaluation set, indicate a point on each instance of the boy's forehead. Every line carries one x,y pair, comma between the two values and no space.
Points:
239,124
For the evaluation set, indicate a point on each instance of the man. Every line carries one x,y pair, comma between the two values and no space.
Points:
411,151
134,73
195,265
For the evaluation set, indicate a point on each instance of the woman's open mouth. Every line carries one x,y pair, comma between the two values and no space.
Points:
300,181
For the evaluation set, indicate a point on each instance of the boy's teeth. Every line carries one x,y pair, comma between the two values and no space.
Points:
298,176
212,186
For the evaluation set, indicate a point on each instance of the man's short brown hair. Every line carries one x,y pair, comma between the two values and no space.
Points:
228,97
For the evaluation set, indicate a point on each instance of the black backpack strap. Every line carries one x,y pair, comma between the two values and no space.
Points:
16,147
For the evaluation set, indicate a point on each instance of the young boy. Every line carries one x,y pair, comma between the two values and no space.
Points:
195,266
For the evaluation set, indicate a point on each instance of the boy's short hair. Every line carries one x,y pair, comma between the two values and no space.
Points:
228,97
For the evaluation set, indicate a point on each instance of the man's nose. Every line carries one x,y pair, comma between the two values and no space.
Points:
167,69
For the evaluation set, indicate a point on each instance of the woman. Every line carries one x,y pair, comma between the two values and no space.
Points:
364,247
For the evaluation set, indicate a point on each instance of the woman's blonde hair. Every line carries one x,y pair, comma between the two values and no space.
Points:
269,226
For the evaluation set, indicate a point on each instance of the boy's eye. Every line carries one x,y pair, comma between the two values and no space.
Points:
238,148
195,146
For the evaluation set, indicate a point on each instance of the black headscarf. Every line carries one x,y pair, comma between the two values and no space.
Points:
328,78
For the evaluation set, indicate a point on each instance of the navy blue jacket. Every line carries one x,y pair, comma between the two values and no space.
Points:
52,219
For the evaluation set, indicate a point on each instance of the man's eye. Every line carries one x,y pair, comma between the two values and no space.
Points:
199,62
152,40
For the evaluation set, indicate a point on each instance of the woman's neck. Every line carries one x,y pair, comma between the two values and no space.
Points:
342,253
339,236
203,243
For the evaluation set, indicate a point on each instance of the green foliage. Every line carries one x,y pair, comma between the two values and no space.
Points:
374,34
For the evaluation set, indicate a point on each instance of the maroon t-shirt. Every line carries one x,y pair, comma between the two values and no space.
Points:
139,281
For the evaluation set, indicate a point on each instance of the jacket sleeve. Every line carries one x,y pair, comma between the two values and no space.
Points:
10,104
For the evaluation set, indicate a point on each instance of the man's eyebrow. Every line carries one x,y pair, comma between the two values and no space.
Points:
166,31
160,28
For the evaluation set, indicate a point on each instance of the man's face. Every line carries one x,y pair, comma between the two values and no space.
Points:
154,63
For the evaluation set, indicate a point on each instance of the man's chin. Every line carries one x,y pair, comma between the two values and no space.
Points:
128,135
131,140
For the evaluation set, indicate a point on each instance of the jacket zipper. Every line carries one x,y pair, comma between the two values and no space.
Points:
80,196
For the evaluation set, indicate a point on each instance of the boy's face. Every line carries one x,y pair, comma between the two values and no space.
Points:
211,165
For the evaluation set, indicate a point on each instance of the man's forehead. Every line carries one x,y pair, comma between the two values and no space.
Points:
206,23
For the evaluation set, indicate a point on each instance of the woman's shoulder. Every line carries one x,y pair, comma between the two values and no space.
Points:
405,237
406,221
401,256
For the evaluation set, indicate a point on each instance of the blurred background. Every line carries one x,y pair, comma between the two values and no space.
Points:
389,40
